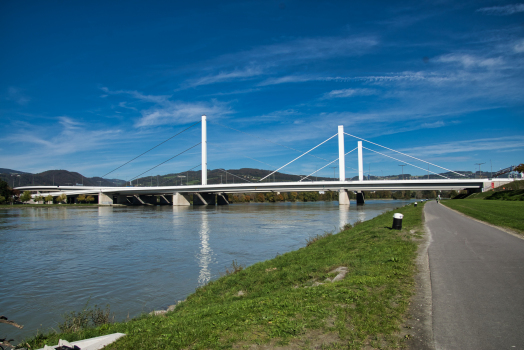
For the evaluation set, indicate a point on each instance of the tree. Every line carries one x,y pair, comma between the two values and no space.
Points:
5,190
62,198
26,197
519,168
49,198
39,198
90,199
2,199
81,198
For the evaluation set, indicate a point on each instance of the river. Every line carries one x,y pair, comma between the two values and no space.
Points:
136,259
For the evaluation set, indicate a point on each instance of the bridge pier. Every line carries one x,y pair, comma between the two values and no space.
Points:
203,199
163,200
343,198
221,199
209,199
360,198
119,199
148,199
104,199
180,199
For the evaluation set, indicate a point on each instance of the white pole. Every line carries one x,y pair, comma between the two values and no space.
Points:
360,162
204,151
341,154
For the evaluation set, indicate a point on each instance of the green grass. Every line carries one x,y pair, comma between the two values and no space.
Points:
508,214
282,303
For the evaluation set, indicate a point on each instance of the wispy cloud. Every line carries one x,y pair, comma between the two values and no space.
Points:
465,146
470,61
264,59
349,93
502,10
167,112
173,113
237,74
16,95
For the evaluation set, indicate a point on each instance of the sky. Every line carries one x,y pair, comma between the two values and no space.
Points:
89,85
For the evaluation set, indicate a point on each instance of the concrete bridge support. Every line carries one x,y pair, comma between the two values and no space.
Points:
360,198
148,199
221,199
343,198
180,199
164,200
104,199
203,199
119,199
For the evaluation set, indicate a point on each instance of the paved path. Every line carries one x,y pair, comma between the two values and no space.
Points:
477,281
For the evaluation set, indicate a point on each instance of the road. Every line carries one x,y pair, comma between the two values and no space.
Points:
477,283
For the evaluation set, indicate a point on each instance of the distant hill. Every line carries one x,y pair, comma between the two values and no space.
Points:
18,178
11,171
53,177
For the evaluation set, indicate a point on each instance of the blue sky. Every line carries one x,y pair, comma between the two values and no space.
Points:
86,86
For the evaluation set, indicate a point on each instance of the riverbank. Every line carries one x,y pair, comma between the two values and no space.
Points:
295,298
22,206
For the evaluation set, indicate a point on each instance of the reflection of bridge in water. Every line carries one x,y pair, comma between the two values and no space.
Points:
205,194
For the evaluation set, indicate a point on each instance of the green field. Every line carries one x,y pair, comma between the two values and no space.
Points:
288,300
508,214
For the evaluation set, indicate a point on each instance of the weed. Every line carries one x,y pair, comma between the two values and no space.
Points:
85,319
312,240
235,267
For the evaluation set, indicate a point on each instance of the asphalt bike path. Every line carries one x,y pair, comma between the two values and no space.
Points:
477,282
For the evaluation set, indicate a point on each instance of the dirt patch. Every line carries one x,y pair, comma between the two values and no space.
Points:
418,328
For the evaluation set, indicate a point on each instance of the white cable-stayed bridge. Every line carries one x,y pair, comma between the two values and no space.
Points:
210,194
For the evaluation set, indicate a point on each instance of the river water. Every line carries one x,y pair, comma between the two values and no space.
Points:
137,259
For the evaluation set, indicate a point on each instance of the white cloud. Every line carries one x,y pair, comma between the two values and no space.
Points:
172,113
519,47
236,74
349,93
16,95
502,10
469,61
263,60
167,112
464,146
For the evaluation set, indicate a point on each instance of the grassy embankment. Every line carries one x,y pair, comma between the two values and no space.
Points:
280,301
504,208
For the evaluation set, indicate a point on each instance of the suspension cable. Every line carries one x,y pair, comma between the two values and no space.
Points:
256,160
405,162
273,142
407,155
196,166
241,178
151,149
303,154
165,161
328,164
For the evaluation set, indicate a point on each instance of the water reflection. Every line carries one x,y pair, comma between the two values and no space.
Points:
204,258
343,213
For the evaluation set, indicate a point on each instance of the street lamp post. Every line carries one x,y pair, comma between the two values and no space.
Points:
334,176
479,164
402,165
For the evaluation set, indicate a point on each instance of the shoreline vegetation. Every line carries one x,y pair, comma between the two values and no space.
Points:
350,288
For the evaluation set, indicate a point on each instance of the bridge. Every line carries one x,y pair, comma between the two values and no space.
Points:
205,194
